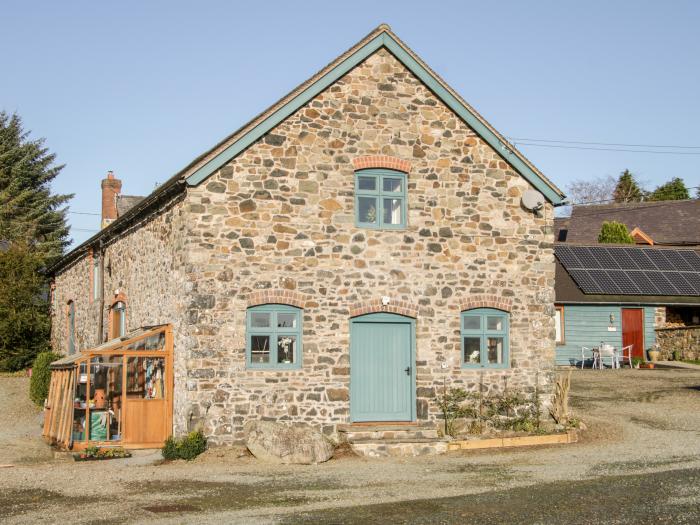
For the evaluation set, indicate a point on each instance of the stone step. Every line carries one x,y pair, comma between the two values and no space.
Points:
399,448
404,434
353,433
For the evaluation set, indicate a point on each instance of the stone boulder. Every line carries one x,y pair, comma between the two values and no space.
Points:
285,443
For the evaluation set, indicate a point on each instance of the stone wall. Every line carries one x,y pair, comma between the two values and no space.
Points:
141,267
280,217
686,340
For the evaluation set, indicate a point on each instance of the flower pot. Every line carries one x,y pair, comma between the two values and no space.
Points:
654,355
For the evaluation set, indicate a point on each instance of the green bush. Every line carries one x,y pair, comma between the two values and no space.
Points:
41,377
187,448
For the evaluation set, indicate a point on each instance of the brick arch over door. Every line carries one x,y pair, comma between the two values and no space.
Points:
288,297
381,161
395,306
486,301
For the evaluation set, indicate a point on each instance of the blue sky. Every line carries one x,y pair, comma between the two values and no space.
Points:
143,87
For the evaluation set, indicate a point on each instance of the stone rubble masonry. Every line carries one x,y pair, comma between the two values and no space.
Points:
277,223
683,339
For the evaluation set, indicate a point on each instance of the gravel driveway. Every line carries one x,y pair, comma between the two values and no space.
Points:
638,462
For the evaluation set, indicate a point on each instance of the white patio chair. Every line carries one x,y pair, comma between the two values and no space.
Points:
625,354
592,354
606,351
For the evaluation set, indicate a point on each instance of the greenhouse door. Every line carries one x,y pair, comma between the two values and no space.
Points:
146,421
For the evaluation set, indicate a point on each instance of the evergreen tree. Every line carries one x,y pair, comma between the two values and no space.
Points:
673,190
33,233
29,212
24,310
614,233
627,188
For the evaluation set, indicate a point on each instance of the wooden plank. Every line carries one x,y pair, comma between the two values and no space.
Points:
517,441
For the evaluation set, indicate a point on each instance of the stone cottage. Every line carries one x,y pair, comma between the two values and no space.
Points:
338,259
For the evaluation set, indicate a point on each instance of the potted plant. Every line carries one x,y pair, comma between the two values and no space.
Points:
654,354
636,362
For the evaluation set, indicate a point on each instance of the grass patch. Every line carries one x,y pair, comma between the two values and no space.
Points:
691,361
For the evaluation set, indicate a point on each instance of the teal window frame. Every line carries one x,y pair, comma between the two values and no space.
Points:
483,333
274,332
379,194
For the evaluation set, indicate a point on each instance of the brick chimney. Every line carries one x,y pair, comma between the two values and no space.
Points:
111,187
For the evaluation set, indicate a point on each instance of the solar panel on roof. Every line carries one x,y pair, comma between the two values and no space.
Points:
616,270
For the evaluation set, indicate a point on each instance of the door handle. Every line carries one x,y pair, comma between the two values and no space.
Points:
408,370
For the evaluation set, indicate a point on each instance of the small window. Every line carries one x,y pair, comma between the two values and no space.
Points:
485,338
274,336
96,279
118,320
380,199
559,325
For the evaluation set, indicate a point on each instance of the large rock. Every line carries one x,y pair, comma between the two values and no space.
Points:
285,443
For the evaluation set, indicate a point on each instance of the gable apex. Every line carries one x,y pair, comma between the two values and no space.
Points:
382,37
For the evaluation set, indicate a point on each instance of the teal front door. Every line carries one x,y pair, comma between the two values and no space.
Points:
382,371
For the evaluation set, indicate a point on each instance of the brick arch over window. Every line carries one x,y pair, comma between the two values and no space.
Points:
381,161
288,297
486,301
395,306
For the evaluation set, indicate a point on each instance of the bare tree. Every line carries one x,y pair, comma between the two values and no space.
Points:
594,191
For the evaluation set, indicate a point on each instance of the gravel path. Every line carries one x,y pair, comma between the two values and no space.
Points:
644,430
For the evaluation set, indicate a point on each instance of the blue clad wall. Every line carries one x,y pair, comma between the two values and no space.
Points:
587,325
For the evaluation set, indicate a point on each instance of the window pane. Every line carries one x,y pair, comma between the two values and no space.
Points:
145,378
286,349
557,325
392,211
494,323
260,348
472,349
472,322
286,320
391,185
367,212
367,183
260,319
495,350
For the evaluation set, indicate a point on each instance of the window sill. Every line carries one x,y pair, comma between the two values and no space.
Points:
467,366
273,368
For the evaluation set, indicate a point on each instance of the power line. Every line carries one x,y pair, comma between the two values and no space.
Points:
604,143
518,143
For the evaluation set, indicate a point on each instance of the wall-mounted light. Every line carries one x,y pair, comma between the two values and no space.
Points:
612,319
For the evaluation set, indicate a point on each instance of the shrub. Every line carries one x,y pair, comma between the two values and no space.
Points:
187,448
41,377
614,233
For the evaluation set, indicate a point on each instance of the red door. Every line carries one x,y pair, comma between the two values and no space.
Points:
633,330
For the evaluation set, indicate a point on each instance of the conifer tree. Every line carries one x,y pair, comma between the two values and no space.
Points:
29,212
673,190
627,188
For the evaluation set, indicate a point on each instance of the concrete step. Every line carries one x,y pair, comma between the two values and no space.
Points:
400,448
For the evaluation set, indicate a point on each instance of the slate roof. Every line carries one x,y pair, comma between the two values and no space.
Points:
126,202
673,223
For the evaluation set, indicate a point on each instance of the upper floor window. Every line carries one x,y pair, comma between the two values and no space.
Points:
273,333
485,334
380,199
71,327
96,279
118,319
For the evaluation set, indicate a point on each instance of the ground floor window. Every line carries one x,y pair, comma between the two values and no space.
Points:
273,336
559,325
485,338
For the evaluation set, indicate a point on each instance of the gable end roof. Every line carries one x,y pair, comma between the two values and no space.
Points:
382,37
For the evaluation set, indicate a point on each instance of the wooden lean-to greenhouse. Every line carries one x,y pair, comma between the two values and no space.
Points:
117,394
